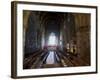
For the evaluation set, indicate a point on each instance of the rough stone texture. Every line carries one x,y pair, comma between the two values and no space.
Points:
83,36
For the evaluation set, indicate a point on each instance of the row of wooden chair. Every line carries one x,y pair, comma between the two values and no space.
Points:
28,61
75,59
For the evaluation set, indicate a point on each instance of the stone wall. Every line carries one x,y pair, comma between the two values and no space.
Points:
31,29
83,36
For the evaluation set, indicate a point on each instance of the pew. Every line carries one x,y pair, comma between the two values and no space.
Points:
27,62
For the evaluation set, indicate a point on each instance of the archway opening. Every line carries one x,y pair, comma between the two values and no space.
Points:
52,41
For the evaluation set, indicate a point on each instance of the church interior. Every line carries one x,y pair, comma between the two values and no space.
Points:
56,39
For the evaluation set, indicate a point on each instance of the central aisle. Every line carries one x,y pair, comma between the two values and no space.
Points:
50,58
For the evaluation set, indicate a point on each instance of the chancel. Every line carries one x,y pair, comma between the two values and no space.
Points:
55,39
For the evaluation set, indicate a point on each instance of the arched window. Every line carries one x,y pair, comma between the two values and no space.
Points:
52,41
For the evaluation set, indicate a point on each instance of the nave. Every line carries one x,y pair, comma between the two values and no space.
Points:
56,39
